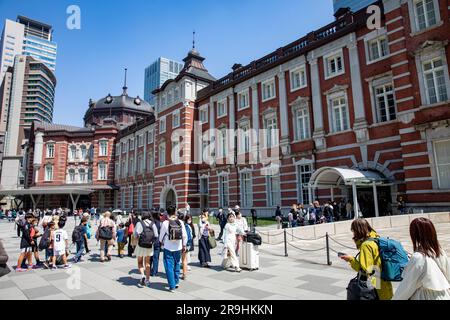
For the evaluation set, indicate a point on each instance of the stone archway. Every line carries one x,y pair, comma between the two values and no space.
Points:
168,197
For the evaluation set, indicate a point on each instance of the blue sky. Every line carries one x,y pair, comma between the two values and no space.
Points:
117,34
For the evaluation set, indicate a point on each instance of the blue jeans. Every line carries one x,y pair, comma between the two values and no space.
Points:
80,250
172,262
155,259
294,223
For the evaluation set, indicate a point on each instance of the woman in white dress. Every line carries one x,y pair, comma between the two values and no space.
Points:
231,230
427,275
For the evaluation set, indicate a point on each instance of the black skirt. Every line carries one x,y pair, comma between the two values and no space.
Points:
203,250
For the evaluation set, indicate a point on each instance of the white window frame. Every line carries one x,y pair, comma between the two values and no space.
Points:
268,83
414,17
438,165
246,94
162,124
130,166
81,175
331,116
224,194
149,196
222,104
150,137
203,110
301,186
72,155
162,154
83,147
327,65
176,115
176,155
427,55
269,140
385,96
378,40
48,173
303,80
50,150
102,143
222,142
270,199
306,134
102,177
151,161
246,194
244,134
139,197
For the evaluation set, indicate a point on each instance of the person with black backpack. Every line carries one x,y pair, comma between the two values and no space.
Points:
154,263
173,239
78,238
106,234
146,232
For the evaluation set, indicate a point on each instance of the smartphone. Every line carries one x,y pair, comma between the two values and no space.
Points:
341,254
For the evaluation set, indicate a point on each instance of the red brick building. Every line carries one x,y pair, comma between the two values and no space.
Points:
356,110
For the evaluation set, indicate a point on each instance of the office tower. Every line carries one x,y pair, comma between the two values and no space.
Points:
27,96
27,37
157,73
354,5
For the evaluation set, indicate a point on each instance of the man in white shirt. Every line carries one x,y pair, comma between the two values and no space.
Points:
173,241
60,245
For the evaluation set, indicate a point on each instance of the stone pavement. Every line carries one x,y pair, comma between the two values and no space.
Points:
301,276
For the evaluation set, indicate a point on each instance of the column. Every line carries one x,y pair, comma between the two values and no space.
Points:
255,124
332,193
232,127
319,133
360,125
38,150
355,200
375,199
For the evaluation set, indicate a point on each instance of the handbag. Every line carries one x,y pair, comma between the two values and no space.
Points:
358,289
212,239
130,229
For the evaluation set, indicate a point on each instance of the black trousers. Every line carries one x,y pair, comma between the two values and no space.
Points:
130,247
86,248
221,231
255,220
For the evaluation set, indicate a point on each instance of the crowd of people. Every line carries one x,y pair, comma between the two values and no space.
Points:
142,236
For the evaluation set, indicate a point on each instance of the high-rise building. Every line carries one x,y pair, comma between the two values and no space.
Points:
354,5
27,37
27,95
157,74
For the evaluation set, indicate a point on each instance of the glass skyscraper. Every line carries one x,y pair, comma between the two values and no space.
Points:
27,37
354,5
157,73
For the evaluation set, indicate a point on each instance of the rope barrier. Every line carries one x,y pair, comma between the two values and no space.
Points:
342,245
307,239
268,234
306,250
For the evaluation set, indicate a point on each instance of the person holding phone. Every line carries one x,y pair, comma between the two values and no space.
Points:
368,261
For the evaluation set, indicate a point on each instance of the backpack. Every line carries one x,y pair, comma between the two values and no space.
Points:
175,231
105,233
393,258
147,236
253,238
77,234
45,240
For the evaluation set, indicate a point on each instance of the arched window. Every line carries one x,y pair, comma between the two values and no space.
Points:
83,152
90,175
73,152
102,173
82,173
71,175
162,154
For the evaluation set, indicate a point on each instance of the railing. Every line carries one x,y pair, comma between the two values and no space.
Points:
284,52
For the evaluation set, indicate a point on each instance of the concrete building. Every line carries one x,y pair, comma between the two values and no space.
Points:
157,74
27,96
27,37
343,113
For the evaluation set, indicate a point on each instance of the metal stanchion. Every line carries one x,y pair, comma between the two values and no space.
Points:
285,244
328,249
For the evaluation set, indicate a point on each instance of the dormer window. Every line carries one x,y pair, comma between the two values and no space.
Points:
109,99
137,101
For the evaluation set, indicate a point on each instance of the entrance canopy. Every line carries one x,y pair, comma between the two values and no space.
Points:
36,194
333,177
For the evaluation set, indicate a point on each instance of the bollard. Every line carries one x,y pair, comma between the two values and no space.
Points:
328,249
285,244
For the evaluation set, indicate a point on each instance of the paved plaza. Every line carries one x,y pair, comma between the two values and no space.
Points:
303,275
